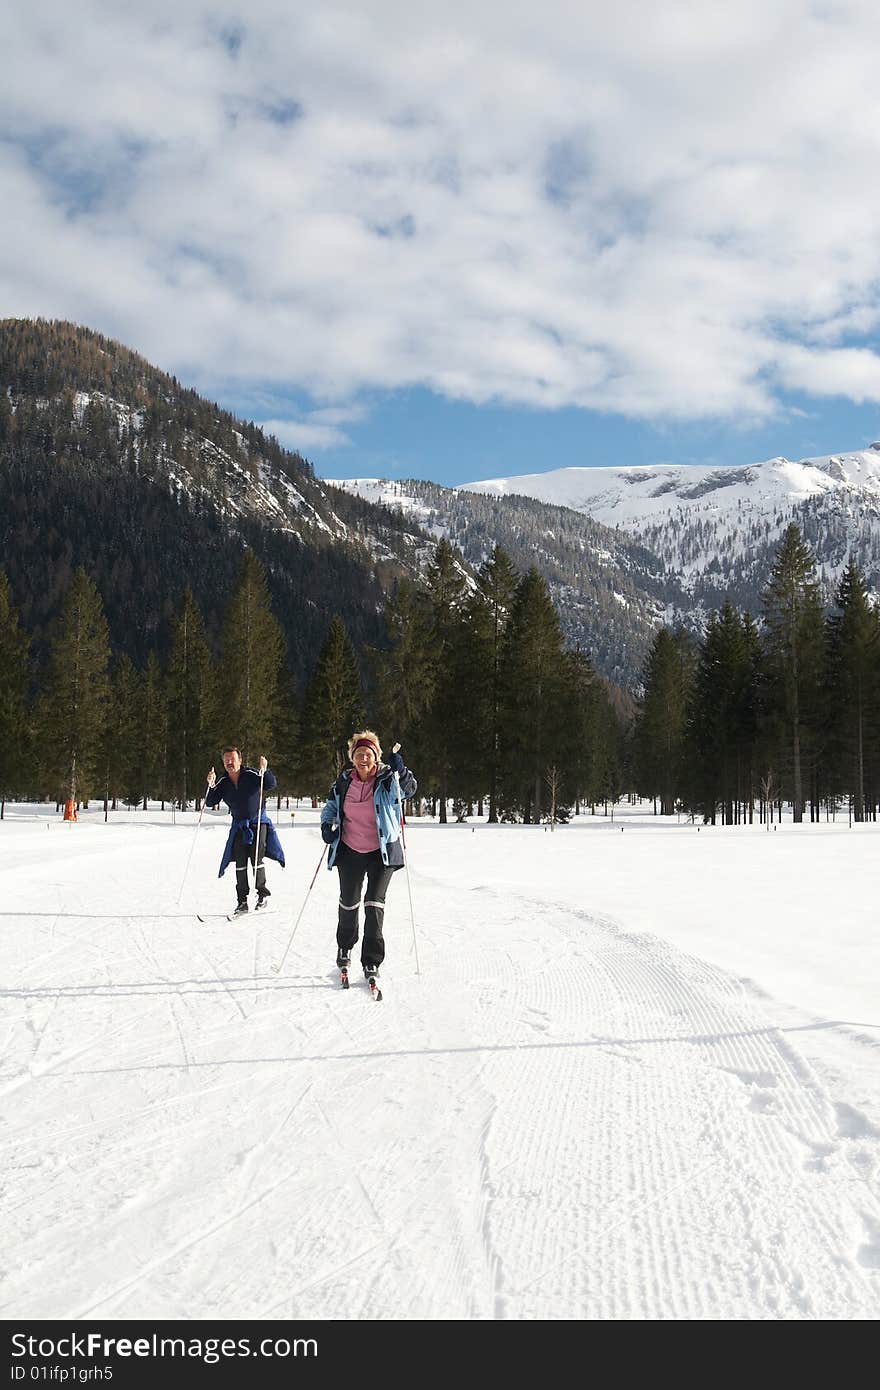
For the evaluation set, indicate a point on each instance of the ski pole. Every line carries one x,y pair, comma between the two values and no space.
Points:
276,969
193,845
257,840
412,915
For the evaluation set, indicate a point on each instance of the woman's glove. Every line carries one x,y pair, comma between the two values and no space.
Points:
396,763
328,833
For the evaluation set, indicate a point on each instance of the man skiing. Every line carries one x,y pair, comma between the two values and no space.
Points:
252,835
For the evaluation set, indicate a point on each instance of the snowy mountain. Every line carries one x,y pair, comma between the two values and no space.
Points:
610,591
625,549
716,528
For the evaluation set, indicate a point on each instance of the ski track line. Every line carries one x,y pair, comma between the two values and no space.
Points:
339,1155
652,997
38,1031
441,1221
426,1257
743,1054
728,1039
65,945
183,1048
779,1079
133,1157
252,1161
110,1121
220,981
50,1069
202,1234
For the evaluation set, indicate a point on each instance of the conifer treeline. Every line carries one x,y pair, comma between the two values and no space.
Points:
473,680
753,717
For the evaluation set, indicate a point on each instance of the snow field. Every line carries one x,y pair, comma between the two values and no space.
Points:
637,1078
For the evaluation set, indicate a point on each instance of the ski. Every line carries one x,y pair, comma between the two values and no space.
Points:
372,981
238,916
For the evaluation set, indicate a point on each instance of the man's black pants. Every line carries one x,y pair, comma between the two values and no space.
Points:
352,869
244,855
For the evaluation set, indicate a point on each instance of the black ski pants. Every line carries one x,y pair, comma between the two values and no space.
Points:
353,867
244,855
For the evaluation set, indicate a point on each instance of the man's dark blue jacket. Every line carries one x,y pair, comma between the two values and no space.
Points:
243,801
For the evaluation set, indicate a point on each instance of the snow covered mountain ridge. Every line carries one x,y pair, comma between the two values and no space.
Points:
665,544
703,520
631,495
609,590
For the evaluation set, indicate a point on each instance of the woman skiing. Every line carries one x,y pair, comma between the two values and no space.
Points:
361,824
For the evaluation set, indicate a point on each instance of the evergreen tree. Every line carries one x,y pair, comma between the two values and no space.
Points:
607,762
584,709
252,652
793,641
72,712
720,723
190,704
532,709
404,673
286,737
153,733
853,685
121,753
445,587
333,709
750,708
14,646
659,737
487,620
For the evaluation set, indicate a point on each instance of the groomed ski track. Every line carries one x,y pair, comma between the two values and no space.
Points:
562,1118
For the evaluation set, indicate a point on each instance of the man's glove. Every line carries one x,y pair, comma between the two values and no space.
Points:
396,763
328,834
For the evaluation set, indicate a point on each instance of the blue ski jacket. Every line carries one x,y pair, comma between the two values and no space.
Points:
243,801
384,804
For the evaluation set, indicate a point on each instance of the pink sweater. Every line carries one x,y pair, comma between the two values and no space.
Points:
359,825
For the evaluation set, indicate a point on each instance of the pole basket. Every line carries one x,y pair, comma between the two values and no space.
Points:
70,810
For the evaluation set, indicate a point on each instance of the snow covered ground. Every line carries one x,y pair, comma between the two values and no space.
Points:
638,1077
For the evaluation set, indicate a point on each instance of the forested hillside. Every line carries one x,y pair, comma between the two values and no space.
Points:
610,590
109,464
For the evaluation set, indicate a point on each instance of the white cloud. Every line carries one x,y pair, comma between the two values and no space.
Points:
669,211
852,372
319,429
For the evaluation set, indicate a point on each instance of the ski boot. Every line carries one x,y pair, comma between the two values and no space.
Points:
343,961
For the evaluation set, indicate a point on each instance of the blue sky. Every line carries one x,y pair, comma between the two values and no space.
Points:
470,241
418,434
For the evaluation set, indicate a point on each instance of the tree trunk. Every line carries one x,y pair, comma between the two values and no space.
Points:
859,803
